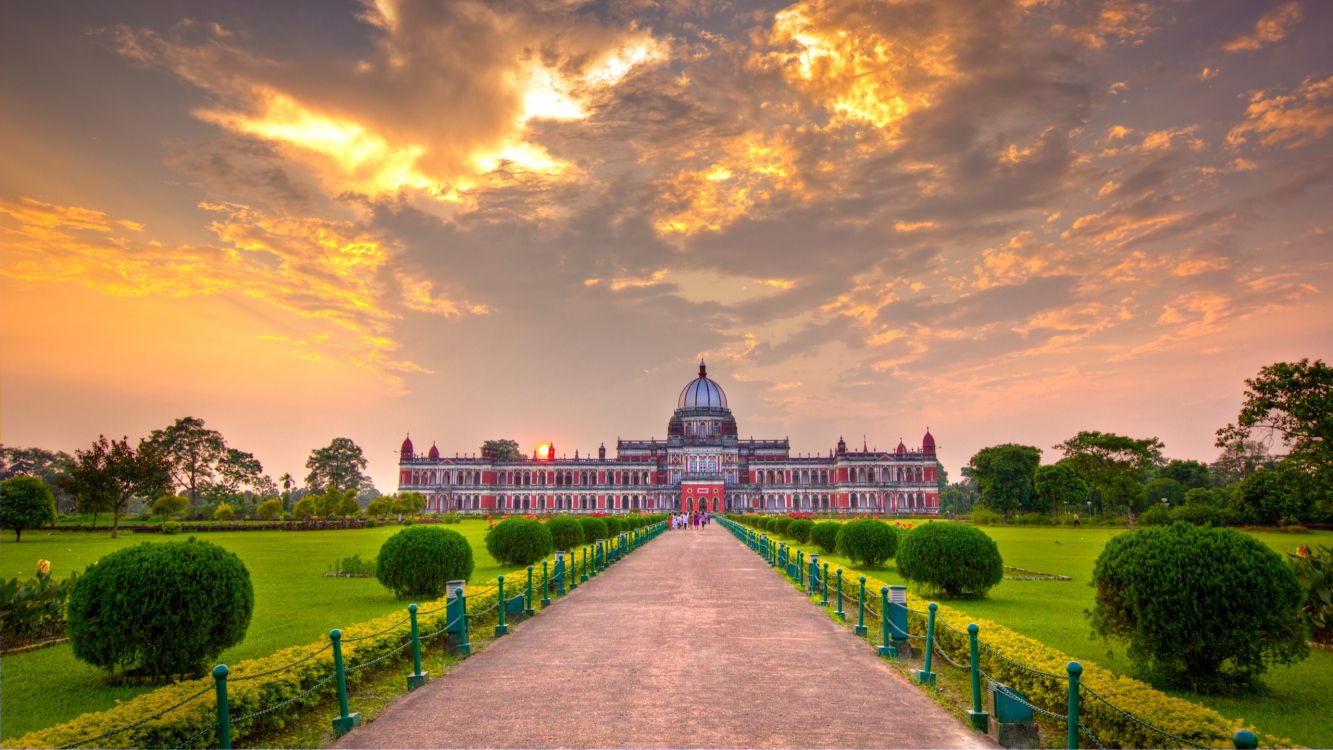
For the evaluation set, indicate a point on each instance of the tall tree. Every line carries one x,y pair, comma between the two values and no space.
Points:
339,466
1003,473
108,475
502,449
1239,460
49,466
288,481
1057,486
193,451
238,471
1114,466
1290,404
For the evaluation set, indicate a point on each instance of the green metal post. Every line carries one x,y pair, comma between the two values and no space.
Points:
500,627
546,586
464,648
573,570
558,572
800,568
925,676
417,678
823,586
980,721
1244,739
1075,669
886,648
345,721
584,577
842,615
861,610
528,611
224,712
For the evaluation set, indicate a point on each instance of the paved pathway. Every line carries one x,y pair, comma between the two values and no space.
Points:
689,642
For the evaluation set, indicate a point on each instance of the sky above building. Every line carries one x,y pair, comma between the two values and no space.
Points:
1007,221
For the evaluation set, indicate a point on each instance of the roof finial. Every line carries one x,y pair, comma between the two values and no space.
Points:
703,369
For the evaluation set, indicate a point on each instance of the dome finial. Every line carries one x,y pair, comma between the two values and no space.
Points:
703,369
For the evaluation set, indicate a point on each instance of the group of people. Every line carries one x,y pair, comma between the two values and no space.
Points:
694,520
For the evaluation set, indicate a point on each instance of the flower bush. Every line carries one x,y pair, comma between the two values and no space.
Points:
33,608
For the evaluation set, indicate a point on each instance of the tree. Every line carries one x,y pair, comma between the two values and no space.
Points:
1057,486
288,481
108,475
193,453
51,467
409,503
269,509
367,491
169,505
340,466
1191,474
1290,404
1004,474
502,449
1111,464
959,497
1273,497
25,503
1240,460
380,506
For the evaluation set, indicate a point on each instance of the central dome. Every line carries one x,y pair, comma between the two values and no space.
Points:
702,393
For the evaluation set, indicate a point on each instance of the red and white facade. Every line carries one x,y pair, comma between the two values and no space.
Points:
701,465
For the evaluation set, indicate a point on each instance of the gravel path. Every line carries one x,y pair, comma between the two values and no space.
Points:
689,642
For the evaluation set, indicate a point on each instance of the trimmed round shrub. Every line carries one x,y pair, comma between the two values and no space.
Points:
613,526
160,608
1203,608
780,524
417,562
825,535
593,528
519,541
566,532
867,542
951,560
171,527
799,529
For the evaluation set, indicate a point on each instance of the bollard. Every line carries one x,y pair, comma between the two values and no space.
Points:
800,568
558,573
979,720
528,611
224,713
1075,669
823,586
500,627
1244,739
842,615
546,587
419,678
584,577
886,648
925,676
345,721
464,648
573,570
861,610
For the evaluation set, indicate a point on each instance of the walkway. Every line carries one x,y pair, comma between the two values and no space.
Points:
689,642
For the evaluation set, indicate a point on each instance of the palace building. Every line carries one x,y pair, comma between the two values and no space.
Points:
701,465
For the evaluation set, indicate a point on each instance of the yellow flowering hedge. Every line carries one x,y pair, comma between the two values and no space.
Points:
181,727
1184,719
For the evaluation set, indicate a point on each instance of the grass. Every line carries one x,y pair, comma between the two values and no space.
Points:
1294,703
294,604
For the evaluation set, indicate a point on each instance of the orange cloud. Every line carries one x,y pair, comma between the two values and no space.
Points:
1287,120
1272,27
321,271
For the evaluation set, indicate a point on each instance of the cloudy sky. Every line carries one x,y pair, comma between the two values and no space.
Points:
1007,221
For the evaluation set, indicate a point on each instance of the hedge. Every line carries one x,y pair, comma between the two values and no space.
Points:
244,696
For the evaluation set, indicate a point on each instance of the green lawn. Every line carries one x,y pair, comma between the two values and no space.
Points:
1296,704
294,604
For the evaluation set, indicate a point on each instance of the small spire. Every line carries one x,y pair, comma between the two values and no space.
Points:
703,369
